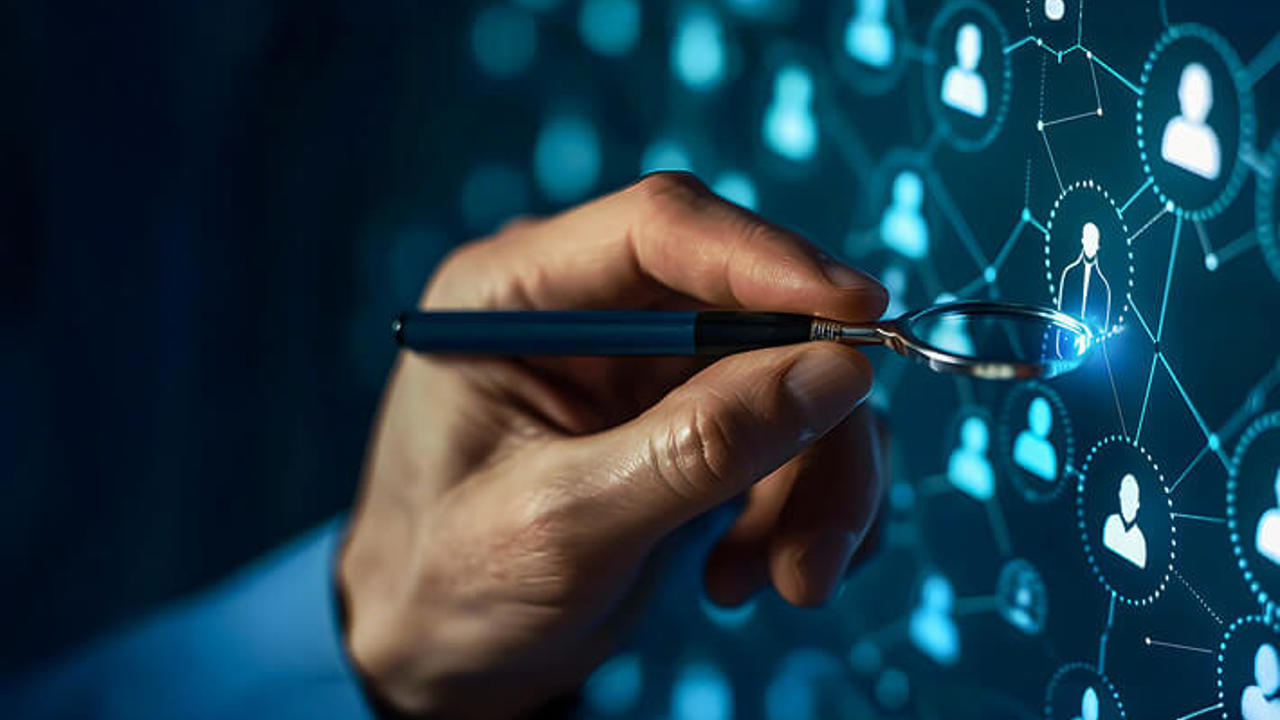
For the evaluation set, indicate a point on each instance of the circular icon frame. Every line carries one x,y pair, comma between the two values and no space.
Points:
1237,627
1031,489
1265,209
1099,679
933,80
1037,615
1259,427
1050,271
860,76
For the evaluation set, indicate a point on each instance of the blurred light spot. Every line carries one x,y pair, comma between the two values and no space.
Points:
610,27
566,158
492,193
804,679
504,40
665,154
728,618
790,129
756,9
701,692
698,52
902,496
892,689
864,658
614,688
736,187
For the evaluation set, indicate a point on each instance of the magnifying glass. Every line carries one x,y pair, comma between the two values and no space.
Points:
990,340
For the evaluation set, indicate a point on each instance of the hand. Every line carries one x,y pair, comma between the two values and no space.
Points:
510,508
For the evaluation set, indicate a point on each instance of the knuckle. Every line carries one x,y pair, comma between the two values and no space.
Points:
698,449
671,194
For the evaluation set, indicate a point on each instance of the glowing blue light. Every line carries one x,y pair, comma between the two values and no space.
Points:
665,154
492,193
610,27
701,692
614,688
728,618
736,187
698,52
756,8
504,40
790,129
566,158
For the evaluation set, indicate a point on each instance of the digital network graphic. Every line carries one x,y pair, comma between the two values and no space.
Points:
1102,546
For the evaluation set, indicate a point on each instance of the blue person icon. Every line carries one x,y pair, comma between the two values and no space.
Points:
1032,451
789,126
1259,701
1088,705
868,37
932,629
969,470
902,226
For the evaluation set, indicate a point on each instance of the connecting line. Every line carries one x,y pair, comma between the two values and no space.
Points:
1115,393
1146,397
943,199
1168,277
847,141
1253,402
1201,711
1176,646
1249,156
1052,160
1264,61
1008,243
974,605
1060,54
1163,211
920,54
1194,461
1237,247
1136,90
931,145
1201,518
1136,195
1079,116
1106,633
1214,443
1198,598
999,528
1141,320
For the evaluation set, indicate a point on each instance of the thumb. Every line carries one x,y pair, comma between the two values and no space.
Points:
713,437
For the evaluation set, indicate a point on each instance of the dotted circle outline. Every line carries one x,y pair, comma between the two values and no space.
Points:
1062,671
1007,569
869,81
1091,186
1006,442
932,100
1258,427
1222,652
1084,531
1265,210
1244,95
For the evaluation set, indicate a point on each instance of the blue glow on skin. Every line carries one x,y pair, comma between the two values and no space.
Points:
701,692
736,187
614,688
566,158
504,40
727,618
665,154
698,52
610,27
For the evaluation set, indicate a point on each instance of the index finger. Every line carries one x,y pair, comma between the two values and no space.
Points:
666,235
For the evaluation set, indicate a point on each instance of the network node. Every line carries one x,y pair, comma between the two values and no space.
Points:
989,274
967,89
1248,669
1253,507
1089,264
1078,691
1021,597
1036,442
867,39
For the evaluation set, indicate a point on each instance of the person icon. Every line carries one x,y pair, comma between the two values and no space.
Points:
962,87
1259,701
868,38
1088,705
1121,534
968,469
894,278
1083,291
1267,537
952,334
1032,450
932,629
902,227
1189,142
789,126
1055,10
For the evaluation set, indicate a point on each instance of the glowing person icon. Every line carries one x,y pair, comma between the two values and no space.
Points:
789,127
1055,9
1259,701
932,629
902,226
1267,537
1032,451
969,470
1083,291
1189,142
894,278
962,87
868,38
1121,534
1088,705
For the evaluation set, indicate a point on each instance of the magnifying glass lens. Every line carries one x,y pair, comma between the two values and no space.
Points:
1002,340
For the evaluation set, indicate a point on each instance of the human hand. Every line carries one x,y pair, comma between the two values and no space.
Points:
510,508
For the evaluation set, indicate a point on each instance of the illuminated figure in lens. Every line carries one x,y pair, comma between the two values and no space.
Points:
1088,705
932,629
1267,537
868,38
902,226
1032,451
962,87
1055,9
1189,142
789,127
894,279
1259,701
952,334
1121,534
1083,291
969,470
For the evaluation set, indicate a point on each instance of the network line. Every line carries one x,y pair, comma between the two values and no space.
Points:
1264,62
1060,54
1106,635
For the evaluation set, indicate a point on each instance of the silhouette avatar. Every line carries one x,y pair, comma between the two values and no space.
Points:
1088,705
1121,534
902,226
789,127
969,470
868,38
1083,291
932,629
962,87
1032,451
1267,537
1258,701
1189,142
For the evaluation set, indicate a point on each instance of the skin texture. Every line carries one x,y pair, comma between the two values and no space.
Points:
511,509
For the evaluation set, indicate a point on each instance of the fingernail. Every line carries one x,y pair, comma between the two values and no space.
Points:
828,385
823,562
843,276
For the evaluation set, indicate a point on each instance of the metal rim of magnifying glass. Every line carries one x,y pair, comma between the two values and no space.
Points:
897,335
